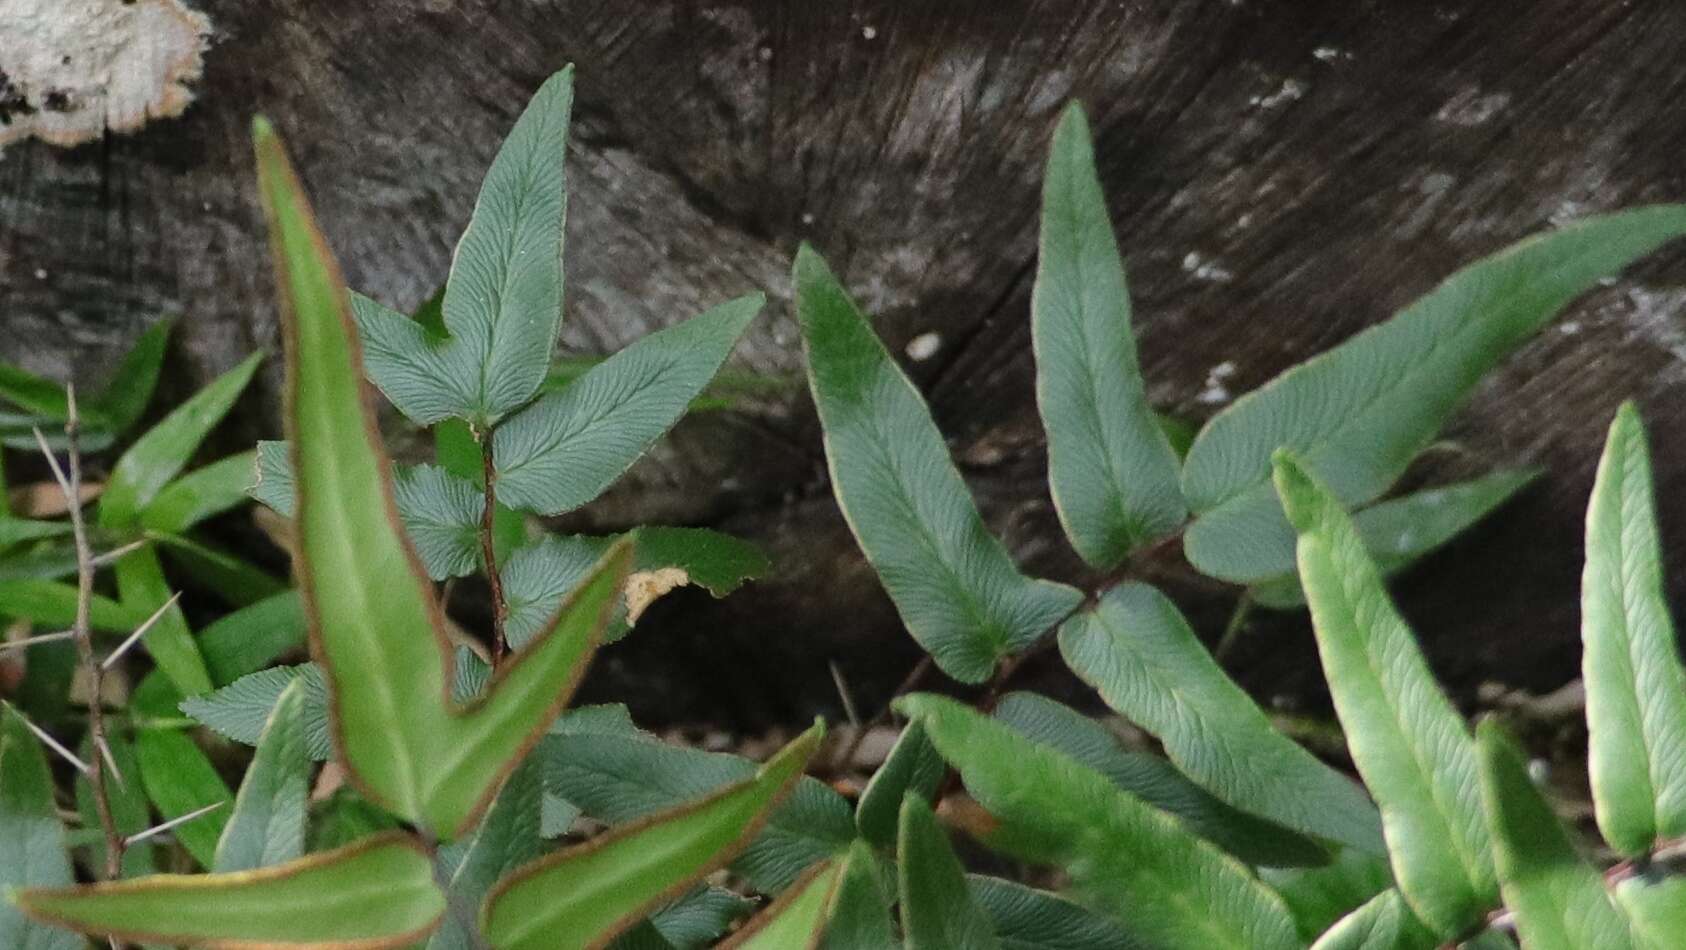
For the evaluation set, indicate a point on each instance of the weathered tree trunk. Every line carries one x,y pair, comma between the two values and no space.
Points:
1281,175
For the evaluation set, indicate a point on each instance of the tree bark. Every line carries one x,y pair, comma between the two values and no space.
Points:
1281,175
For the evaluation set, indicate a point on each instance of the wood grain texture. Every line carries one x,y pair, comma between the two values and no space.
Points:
1280,174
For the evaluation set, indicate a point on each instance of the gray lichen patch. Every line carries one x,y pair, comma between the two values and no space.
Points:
71,70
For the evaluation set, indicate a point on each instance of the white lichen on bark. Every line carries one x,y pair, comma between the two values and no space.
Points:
73,70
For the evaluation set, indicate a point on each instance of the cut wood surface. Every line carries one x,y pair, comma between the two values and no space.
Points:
1281,175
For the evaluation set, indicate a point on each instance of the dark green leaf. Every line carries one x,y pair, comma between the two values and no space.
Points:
954,584
129,808
1635,687
31,836
175,772
441,515
507,838
1156,782
346,817
377,627
503,303
1025,918
1138,651
17,530
33,394
246,640
240,710
267,824
565,449
592,891
938,911
1165,886
234,580
912,768
440,511
860,912
618,779
1359,413
700,917
1406,739
1111,470
538,576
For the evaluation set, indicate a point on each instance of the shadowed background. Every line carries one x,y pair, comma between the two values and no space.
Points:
1280,175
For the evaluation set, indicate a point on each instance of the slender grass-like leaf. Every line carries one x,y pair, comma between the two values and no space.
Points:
1408,743
1165,886
584,895
176,774
1360,412
375,624
124,399
937,908
250,638
267,824
374,894
566,448
1635,686
1559,900
144,590
199,494
31,837
164,450
503,302
53,604
1155,781
1136,649
1111,469
954,584
180,781
18,530
234,580
33,394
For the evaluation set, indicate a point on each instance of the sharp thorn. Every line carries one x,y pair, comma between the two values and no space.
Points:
140,631
156,830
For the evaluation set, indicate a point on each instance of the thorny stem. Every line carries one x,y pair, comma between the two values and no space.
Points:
488,552
91,668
